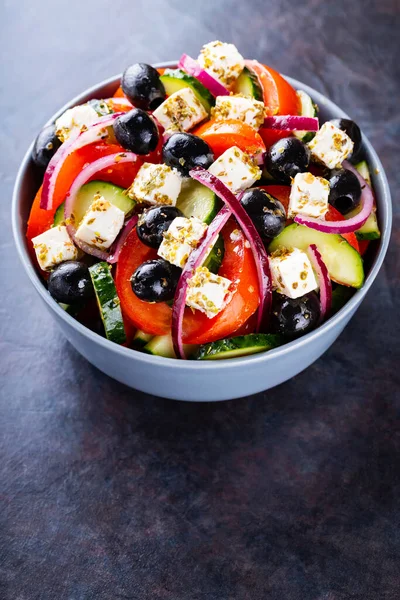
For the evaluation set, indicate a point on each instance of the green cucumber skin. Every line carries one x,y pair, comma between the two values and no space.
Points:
108,302
370,229
344,264
175,79
308,109
59,215
196,200
113,193
140,339
340,296
215,258
162,345
247,84
235,347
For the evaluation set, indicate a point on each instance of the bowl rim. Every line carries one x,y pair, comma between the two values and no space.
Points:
192,365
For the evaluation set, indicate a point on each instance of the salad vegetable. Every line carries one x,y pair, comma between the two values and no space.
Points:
203,212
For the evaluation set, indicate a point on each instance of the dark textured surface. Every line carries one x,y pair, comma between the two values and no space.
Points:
109,494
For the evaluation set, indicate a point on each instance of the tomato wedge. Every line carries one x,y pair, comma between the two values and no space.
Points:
282,193
279,99
363,244
238,264
221,135
40,220
119,93
279,96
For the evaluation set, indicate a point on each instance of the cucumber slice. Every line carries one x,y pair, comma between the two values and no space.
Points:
247,84
161,345
344,264
242,345
363,169
214,259
340,295
108,302
196,200
140,339
370,229
176,79
59,215
113,193
307,109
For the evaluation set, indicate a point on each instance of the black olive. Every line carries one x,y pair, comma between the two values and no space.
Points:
45,146
345,192
142,85
353,131
70,282
294,317
153,222
185,151
266,212
136,131
155,280
286,158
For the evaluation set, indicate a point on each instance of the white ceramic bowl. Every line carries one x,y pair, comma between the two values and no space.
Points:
191,380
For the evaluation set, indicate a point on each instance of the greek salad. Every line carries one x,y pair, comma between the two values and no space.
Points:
203,211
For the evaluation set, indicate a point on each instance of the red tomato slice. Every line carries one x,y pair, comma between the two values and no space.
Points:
279,99
198,329
363,244
279,96
121,174
221,135
270,136
119,93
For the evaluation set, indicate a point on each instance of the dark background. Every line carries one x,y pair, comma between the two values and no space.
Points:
108,494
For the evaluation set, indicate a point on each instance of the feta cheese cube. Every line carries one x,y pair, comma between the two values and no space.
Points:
181,111
222,61
235,169
101,223
241,108
156,184
308,196
75,120
54,246
292,273
182,236
330,146
207,292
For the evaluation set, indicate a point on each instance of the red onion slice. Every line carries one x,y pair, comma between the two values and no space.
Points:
325,286
93,133
193,68
348,225
196,258
120,241
291,123
253,237
83,177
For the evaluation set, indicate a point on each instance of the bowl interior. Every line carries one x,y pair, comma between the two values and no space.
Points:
28,182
